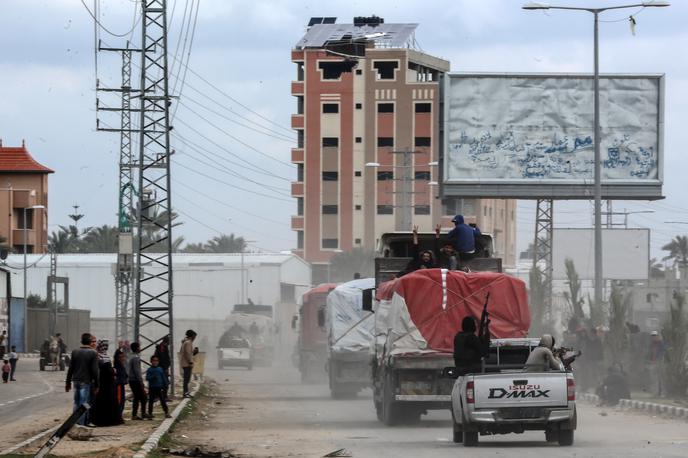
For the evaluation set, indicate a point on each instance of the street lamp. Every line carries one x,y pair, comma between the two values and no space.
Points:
26,308
596,121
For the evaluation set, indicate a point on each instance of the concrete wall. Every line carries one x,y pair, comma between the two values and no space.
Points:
70,324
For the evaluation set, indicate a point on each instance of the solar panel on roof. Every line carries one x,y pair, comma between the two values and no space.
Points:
395,35
329,20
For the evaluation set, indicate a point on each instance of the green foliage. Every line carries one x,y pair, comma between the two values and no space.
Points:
674,365
344,265
678,250
573,295
655,269
220,244
617,339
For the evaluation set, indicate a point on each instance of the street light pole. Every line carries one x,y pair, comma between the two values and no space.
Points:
596,123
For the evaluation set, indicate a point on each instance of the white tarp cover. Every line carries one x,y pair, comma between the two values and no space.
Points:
349,327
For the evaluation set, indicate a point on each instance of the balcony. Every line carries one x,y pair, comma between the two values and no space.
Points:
297,189
297,223
297,88
18,237
297,155
296,55
24,198
297,121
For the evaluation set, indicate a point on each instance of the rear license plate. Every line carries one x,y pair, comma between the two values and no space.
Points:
527,413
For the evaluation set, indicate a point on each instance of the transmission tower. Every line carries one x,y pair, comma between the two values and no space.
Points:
542,252
153,241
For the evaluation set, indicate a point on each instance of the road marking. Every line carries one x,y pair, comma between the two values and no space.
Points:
50,389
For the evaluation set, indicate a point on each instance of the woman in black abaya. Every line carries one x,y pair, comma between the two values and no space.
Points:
105,410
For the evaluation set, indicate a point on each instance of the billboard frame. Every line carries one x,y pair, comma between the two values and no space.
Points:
538,188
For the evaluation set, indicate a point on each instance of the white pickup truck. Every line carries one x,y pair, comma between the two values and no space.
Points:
504,399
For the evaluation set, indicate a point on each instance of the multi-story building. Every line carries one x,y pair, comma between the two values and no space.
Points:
368,125
23,185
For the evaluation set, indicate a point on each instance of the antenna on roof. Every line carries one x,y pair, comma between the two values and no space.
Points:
23,143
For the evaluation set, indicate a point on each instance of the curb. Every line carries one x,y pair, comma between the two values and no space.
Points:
641,406
154,438
28,441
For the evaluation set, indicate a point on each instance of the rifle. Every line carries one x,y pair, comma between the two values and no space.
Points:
484,329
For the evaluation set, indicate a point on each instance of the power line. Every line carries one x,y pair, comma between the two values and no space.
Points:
100,25
188,55
288,164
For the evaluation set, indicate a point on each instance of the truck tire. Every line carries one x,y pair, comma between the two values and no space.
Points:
551,435
566,437
41,364
470,438
391,412
457,430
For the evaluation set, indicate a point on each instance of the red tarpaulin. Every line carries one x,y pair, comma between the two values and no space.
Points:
437,304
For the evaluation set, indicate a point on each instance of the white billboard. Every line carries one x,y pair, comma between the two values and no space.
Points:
531,135
626,253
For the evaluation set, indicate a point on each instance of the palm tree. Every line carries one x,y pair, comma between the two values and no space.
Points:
194,248
573,295
226,244
678,250
68,239
358,260
655,269
103,239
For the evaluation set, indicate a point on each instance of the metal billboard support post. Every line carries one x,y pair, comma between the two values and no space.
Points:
153,242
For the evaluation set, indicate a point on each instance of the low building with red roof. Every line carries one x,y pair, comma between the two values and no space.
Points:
23,185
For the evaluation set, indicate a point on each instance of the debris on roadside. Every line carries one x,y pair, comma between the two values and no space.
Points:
342,452
196,451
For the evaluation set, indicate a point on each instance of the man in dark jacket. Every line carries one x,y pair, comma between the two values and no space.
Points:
136,383
463,238
83,373
468,348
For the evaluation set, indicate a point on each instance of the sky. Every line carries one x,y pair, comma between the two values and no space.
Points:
240,57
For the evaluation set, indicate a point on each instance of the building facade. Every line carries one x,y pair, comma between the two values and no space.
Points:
368,126
23,184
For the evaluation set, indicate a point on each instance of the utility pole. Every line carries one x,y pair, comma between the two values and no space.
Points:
153,241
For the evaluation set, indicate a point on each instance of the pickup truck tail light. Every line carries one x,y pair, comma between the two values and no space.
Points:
470,393
570,389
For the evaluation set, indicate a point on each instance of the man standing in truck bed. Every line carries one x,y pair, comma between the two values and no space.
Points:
463,237
469,349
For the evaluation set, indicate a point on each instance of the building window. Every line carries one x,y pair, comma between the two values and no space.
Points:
330,176
332,70
330,142
299,240
385,210
385,108
384,176
299,138
468,207
423,108
490,212
357,241
299,172
512,215
359,71
299,104
484,210
422,141
385,69
330,243
330,108
456,206
359,139
299,206
385,141
357,207
422,176
357,173
359,106
330,209
421,210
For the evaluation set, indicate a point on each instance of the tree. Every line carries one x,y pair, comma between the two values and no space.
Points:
619,305
674,368
194,248
226,244
536,294
102,239
655,269
68,239
678,250
358,260
573,295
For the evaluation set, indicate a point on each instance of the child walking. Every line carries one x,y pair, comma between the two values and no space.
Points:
157,386
13,363
6,371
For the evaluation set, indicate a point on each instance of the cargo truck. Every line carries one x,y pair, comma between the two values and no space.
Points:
311,348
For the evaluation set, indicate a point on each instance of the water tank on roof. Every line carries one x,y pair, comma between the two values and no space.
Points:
368,20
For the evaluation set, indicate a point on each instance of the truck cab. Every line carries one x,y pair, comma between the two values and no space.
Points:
395,251
503,399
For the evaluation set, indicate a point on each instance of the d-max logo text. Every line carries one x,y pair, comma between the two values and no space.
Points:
499,393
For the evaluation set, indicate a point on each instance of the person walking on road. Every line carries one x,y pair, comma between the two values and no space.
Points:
186,359
83,373
136,383
6,369
13,362
157,386
105,410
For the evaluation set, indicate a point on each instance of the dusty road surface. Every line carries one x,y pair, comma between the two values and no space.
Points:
268,413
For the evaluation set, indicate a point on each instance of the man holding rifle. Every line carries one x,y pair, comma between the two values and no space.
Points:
470,349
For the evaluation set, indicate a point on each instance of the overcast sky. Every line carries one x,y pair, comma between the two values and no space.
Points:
47,80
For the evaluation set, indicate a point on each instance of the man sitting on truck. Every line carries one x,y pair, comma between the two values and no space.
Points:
542,358
421,259
463,237
468,348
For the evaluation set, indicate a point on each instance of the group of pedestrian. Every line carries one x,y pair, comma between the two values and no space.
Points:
9,360
101,382
462,244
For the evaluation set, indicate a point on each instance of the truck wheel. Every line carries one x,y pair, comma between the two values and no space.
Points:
457,430
391,414
551,436
41,364
470,438
378,411
566,437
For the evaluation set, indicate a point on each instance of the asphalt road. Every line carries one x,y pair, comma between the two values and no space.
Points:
267,412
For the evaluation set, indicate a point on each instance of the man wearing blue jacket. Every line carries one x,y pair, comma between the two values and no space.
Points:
463,237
